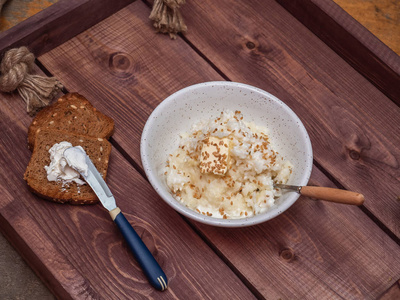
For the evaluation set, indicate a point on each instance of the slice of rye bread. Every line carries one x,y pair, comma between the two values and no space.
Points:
73,113
98,149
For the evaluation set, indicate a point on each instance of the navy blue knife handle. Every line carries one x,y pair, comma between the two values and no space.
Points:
146,260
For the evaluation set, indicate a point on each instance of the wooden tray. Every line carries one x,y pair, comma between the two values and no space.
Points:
334,74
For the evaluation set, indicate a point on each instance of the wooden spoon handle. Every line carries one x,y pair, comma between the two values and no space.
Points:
333,195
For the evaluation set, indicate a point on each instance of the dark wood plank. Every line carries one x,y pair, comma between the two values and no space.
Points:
127,69
319,250
57,24
354,43
16,221
351,123
315,250
393,293
79,252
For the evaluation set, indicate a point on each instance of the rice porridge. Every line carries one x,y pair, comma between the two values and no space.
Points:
225,167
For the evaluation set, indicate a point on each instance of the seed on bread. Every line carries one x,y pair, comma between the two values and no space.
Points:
68,116
36,176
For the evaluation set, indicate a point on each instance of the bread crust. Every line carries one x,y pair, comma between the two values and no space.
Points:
98,149
72,113
61,201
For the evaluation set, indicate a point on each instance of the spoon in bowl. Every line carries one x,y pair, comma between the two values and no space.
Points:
325,193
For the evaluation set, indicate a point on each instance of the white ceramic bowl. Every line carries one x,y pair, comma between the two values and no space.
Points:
177,113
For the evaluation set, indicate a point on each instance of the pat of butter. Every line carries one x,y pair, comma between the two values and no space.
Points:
214,156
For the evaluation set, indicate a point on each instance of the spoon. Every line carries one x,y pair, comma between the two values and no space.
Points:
325,193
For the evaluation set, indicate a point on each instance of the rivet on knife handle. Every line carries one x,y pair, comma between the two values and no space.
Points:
151,268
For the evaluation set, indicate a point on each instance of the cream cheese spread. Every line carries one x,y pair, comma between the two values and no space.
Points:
60,168
76,159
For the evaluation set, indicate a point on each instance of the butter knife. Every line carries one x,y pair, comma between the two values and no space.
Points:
146,260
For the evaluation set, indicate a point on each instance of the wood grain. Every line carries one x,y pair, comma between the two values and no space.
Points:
117,65
355,44
79,252
17,223
381,17
351,123
317,250
57,24
333,195
320,250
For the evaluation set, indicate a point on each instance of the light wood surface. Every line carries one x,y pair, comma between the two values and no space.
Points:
319,250
16,11
381,17
334,195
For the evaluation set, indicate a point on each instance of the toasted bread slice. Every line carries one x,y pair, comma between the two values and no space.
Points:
72,113
98,149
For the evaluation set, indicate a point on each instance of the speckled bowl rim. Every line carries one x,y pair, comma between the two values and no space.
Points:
243,222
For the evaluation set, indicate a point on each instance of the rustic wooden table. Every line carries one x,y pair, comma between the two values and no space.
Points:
339,79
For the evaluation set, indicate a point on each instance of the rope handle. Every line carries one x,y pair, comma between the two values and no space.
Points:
37,91
167,17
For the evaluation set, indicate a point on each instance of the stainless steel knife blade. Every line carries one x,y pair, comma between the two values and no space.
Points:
99,186
151,268
95,181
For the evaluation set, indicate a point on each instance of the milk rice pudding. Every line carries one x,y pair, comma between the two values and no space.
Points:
225,167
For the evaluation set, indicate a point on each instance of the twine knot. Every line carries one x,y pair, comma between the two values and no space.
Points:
167,17
37,91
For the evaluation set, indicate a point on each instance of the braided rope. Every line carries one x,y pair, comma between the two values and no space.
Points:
167,17
37,91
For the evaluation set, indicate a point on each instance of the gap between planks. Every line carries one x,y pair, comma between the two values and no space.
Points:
204,238
195,49
140,170
335,181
